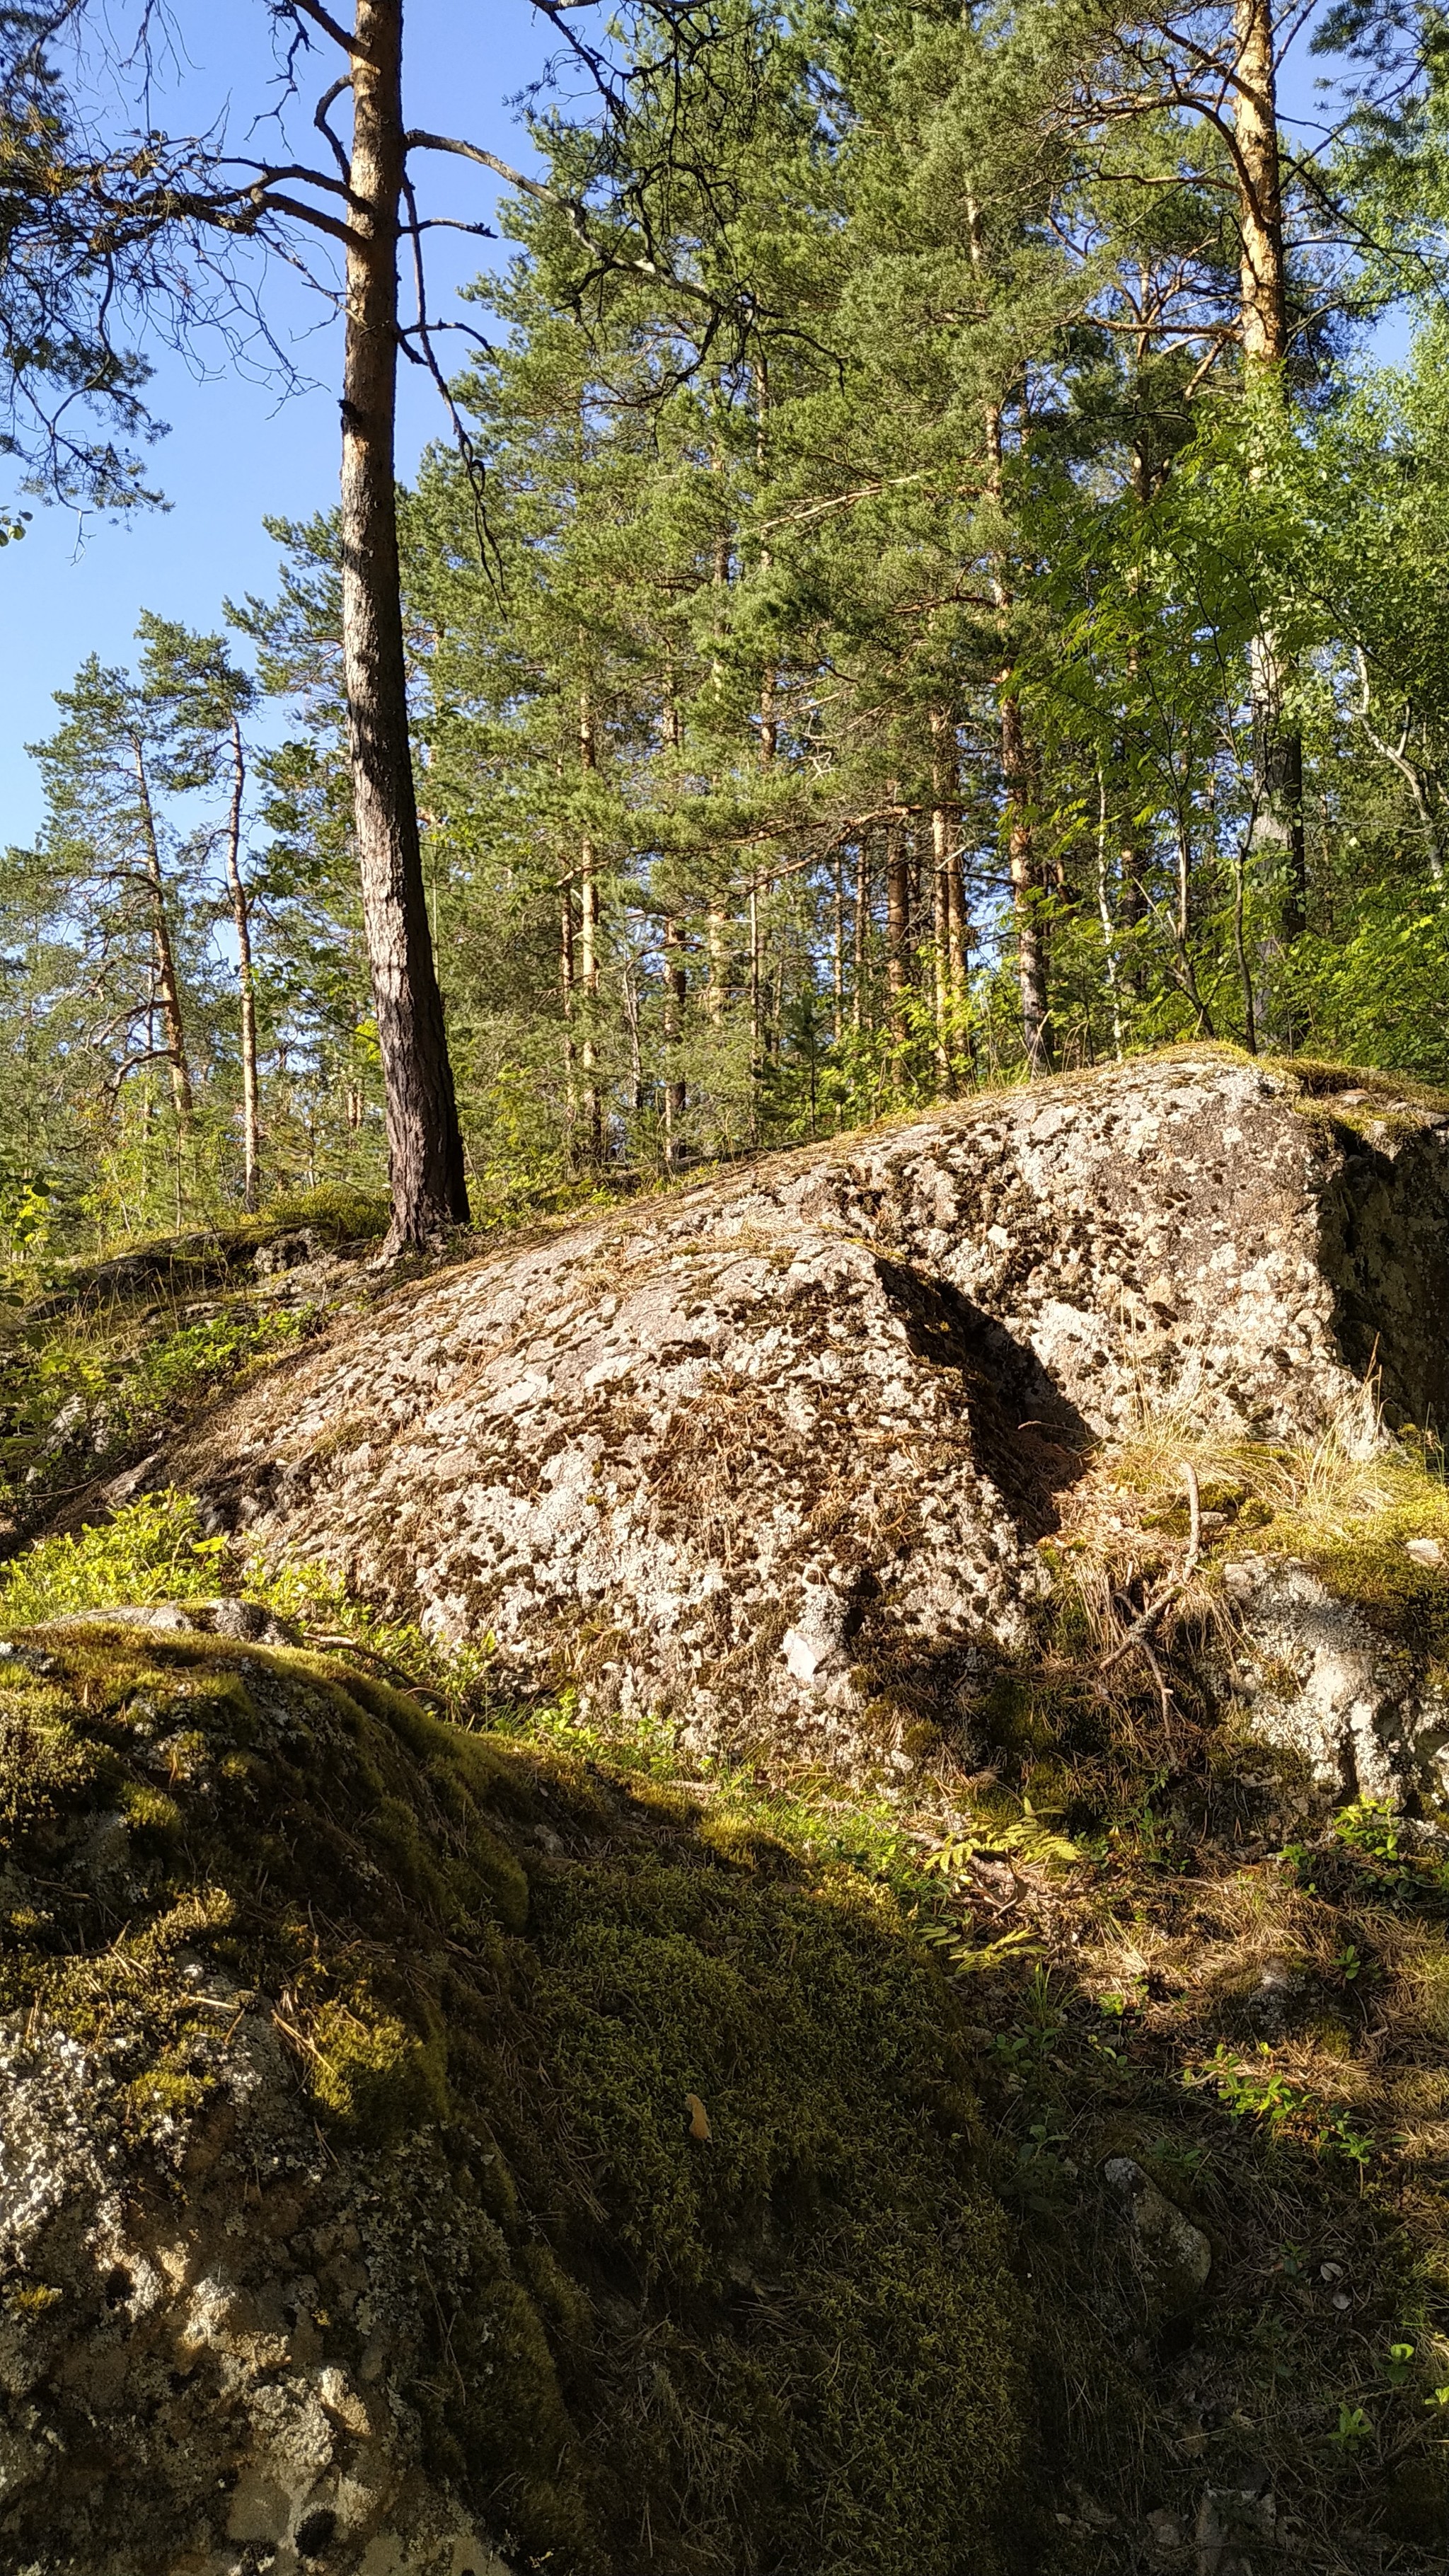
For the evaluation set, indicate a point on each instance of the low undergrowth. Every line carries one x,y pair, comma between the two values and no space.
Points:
727,2281
98,1358
1112,1932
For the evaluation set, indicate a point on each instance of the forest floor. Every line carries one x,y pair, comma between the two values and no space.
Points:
1181,1960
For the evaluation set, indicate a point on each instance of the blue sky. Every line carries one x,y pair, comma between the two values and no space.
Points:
237,451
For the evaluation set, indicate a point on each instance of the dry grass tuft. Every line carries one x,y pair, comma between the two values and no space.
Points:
1128,1524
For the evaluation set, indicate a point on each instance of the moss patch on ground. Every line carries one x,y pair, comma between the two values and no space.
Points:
794,2342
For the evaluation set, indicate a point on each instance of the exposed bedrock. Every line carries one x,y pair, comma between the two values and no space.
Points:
774,1453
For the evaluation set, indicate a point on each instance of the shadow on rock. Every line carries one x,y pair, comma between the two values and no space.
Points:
1029,1436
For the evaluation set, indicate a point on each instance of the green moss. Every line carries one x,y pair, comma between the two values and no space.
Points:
371,2072
1403,1599
32,2299
1317,1079
153,1818
799,2342
164,2094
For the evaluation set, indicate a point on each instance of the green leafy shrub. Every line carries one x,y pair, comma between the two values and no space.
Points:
151,1550
78,1385
184,1364
336,1211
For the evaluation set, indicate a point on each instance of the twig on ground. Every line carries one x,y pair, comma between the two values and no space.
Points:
1163,1693
1138,1632
1194,1514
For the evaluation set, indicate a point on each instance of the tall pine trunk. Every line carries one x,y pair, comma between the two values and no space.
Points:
588,953
168,987
675,993
1027,892
898,941
566,994
246,978
945,833
425,1147
1263,295
859,1007
1016,777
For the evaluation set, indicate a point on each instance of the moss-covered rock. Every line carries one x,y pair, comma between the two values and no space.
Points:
353,2212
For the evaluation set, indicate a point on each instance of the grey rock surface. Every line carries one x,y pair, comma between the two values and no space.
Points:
773,1455
1175,2256
248,1621
164,2406
1323,1681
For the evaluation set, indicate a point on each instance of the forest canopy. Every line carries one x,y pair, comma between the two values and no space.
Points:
925,577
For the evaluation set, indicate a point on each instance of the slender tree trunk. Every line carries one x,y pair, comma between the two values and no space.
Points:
1263,295
636,1043
675,989
837,977
898,897
860,1016
1132,905
566,979
754,981
425,1146
246,978
1026,888
168,987
715,924
1031,957
1026,893
148,1109
1104,915
945,824
940,843
588,954
588,988
769,738
1240,951
958,930
1263,287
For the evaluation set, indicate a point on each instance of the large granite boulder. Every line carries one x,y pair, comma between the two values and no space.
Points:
773,1454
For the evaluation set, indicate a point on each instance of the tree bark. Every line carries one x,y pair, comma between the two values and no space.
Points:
675,989
566,992
1031,958
715,925
588,957
940,845
1263,307
167,985
1026,893
1026,889
860,1011
425,1146
945,826
1104,915
898,901
837,975
246,978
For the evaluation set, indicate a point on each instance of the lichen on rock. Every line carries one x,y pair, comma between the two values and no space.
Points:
773,1456
1322,1676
